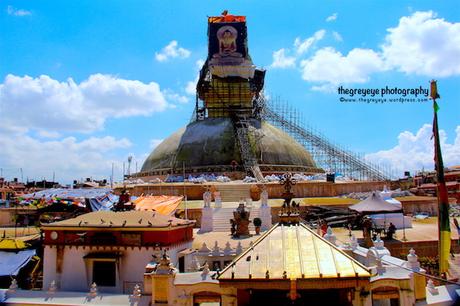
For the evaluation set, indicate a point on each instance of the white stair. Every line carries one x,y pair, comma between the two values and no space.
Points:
234,192
222,216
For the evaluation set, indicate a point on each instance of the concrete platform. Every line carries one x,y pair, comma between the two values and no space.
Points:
221,237
423,237
274,189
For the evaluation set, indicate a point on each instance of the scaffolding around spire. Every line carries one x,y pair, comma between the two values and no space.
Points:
329,156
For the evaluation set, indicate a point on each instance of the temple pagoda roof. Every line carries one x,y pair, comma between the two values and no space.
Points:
293,252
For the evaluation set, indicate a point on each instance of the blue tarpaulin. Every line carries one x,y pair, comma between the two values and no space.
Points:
99,198
103,203
63,193
11,262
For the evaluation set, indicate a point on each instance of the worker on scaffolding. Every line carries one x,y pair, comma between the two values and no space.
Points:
234,165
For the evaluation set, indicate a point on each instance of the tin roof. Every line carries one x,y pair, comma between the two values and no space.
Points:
293,252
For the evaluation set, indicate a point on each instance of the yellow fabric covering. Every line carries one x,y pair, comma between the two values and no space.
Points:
12,244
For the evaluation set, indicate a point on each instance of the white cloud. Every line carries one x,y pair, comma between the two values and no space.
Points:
69,158
172,50
425,45
43,103
12,11
420,44
190,87
48,134
281,60
333,17
175,97
415,151
337,36
327,87
199,63
331,67
302,47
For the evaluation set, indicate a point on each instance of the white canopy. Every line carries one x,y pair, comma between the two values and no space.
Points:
375,204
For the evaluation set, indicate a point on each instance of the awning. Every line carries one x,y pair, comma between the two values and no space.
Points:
11,263
164,205
374,204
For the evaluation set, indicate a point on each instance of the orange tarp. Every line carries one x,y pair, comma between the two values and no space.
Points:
164,205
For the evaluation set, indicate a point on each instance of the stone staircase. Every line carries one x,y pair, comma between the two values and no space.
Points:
222,216
234,192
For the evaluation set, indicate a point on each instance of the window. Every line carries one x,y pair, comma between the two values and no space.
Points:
104,273
216,265
102,238
182,264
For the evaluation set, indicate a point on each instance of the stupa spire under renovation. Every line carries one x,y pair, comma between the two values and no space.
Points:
227,134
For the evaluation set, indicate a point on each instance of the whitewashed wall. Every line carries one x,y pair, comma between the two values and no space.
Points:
76,276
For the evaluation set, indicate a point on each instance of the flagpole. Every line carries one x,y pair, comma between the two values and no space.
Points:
442,195
185,194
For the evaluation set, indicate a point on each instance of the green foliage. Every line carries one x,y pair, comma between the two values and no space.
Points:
257,222
430,264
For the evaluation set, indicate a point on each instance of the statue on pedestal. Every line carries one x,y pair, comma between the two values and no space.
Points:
207,198
367,228
240,221
207,212
217,199
265,212
264,196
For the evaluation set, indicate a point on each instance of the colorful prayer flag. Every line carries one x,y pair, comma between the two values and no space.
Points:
443,199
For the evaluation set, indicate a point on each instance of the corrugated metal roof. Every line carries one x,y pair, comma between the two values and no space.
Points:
293,252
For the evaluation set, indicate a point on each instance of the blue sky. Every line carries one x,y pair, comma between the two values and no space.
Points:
82,86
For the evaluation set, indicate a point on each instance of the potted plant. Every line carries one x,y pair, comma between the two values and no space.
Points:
255,192
257,224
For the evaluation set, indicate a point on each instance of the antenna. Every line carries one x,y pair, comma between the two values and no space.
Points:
130,159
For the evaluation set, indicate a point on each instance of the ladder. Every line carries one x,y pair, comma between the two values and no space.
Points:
247,155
